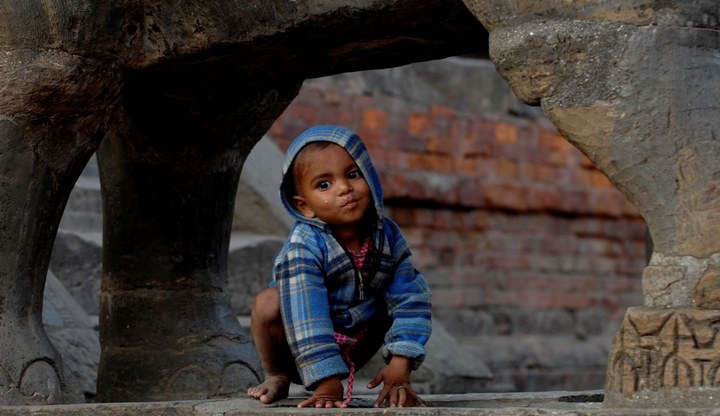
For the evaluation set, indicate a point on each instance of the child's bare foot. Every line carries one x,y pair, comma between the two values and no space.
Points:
274,388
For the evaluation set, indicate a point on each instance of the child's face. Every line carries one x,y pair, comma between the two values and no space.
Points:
332,188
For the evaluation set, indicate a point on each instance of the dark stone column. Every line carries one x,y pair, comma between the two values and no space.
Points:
53,113
636,87
169,172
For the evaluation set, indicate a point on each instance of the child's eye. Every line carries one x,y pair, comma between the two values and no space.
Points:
324,185
356,174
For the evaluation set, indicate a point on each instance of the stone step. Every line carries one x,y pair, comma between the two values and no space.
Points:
559,403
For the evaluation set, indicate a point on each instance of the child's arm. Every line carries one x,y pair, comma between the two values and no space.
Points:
305,311
397,391
408,301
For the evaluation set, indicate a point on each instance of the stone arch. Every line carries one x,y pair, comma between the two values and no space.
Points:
100,69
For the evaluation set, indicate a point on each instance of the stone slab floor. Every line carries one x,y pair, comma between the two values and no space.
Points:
585,403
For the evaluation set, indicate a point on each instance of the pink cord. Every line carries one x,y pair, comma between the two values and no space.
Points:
346,343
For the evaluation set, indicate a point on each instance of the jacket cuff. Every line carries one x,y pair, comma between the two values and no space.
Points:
319,371
412,350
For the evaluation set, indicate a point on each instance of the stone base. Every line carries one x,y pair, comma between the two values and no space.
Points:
665,358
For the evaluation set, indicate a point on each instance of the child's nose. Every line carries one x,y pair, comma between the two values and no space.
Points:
345,186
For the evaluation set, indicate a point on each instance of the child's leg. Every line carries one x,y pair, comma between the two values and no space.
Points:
269,337
372,341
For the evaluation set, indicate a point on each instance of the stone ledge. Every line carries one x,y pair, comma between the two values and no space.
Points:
557,403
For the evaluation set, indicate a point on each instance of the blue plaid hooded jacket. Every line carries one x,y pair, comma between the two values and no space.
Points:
321,291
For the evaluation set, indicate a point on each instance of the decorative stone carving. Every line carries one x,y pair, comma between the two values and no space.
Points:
665,355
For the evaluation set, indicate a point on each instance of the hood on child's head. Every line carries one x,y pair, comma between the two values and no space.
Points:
349,141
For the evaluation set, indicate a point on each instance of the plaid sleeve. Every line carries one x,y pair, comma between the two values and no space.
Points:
409,304
305,311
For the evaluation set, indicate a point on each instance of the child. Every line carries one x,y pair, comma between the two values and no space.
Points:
344,284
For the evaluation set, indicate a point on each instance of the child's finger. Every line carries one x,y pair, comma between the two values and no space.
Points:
398,396
381,397
375,381
307,402
317,402
401,397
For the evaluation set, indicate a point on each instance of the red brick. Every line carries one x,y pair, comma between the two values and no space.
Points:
559,158
403,185
514,178
528,132
442,145
506,261
544,198
433,163
507,169
443,220
586,163
576,201
599,180
470,194
506,133
479,220
461,130
332,97
506,196
536,172
479,167
477,143
379,157
418,124
305,113
397,160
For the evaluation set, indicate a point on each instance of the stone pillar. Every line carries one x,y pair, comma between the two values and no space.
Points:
53,113
636,87
169,171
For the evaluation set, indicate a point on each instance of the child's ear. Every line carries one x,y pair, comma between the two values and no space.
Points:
303,207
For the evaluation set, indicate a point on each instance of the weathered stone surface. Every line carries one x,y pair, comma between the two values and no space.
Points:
258,208
707,292
536,362
200,82
635,87
257,39
43,148
618,105
83,211
679,281
662,355
71,331
250,263
190,87
502,13
77,262
448,368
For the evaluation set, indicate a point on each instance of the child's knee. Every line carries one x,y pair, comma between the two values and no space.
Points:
267,305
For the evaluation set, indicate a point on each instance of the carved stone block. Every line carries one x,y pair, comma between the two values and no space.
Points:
665,358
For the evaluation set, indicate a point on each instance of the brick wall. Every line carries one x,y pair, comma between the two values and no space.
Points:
513,228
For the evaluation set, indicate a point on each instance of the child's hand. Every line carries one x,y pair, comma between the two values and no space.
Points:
329,393
397,391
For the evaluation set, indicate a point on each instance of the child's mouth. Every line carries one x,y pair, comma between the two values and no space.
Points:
350,204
